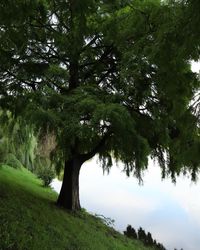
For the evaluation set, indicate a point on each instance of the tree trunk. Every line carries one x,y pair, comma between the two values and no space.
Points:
69,193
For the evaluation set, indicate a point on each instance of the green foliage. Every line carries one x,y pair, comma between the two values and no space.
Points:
30,220
12,161
3,151
45,171
21,147
18,144
108,78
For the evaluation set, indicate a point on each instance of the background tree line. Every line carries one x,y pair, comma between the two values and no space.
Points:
21,147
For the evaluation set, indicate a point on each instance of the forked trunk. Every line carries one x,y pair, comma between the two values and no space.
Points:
69,193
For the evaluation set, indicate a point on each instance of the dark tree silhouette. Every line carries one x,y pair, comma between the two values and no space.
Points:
141,235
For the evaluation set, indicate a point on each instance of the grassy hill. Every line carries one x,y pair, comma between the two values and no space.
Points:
29,219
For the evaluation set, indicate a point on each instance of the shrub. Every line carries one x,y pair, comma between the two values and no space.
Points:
106,220
12,161
45,171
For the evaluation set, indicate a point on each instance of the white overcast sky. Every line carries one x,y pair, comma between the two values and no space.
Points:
195,66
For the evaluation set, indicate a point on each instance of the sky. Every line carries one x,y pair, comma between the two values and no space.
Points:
170,212
195,66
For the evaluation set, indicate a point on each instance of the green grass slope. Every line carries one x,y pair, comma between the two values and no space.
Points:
29,219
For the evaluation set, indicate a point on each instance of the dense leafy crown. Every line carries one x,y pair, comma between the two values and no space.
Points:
107,77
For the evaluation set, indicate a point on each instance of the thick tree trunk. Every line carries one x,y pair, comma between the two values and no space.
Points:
69,193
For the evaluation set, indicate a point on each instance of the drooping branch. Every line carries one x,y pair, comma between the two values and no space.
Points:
101,60
31,84
106,74
97,148
90,43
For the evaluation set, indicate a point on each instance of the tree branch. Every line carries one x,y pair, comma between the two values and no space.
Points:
103,77
91,42
29,84
105,54
97,148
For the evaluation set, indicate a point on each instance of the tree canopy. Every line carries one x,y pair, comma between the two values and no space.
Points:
111,78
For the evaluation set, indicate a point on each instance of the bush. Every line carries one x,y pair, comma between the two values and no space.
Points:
12,161
45,171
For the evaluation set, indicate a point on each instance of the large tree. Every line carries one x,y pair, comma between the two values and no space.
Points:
106,77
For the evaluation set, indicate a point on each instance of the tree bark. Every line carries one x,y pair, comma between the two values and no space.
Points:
69,193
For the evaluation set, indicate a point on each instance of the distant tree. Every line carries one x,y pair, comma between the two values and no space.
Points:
21,147
141,235
107,78
17,142
149,239
130,232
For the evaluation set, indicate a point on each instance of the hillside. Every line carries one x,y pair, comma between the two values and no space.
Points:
30,220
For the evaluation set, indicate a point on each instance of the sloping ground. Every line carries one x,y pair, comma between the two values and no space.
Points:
30,220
